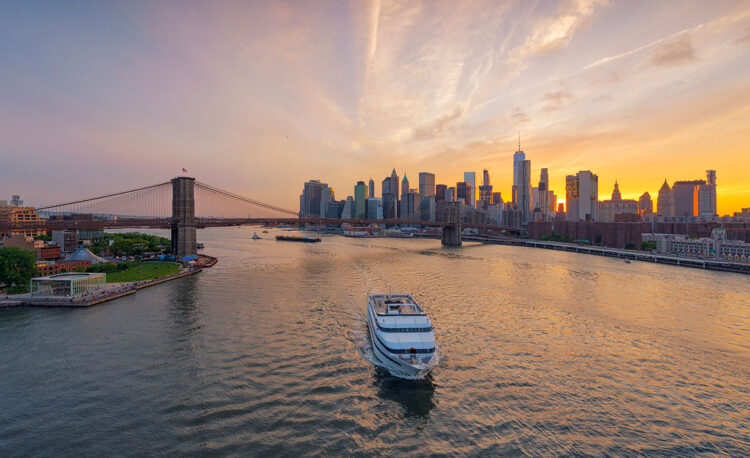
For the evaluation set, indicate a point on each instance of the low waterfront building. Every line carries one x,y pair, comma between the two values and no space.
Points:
68,284
716,246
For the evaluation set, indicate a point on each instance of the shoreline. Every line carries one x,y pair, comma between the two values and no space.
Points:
109,294
656,258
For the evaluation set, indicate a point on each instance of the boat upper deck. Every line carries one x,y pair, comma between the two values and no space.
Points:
395,304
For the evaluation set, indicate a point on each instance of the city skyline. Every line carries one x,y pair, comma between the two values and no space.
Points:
261,97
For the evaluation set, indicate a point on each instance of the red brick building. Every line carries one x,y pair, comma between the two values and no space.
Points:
48,253
61,267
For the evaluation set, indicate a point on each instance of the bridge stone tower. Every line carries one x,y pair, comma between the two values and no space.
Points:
183,217
452,234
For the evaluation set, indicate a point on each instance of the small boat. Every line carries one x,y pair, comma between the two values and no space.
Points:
255,236
296,238
627,261
402,335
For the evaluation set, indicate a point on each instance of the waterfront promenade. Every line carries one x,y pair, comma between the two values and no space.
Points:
111,292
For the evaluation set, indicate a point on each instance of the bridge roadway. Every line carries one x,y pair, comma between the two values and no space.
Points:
166,223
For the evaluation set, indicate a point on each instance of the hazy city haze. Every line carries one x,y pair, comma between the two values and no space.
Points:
261,96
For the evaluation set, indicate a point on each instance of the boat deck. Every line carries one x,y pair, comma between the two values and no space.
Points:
395,304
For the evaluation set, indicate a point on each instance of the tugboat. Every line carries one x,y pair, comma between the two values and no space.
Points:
402,335
296,238
255,236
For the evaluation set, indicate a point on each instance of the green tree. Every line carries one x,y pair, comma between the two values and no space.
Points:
122,246
17,267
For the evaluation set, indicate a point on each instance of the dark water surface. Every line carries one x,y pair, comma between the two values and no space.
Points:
543,353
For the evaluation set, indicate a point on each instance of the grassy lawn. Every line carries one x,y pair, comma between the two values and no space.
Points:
148,271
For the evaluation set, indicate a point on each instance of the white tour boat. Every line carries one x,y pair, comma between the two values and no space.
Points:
402,335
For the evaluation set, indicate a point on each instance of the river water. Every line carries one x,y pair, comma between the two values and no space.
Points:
543,353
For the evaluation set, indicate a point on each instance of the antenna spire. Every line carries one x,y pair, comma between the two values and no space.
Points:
519,140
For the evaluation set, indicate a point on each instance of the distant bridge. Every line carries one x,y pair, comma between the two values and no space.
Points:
184,205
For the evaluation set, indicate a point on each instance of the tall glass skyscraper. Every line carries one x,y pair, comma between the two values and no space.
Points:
360,200
471,178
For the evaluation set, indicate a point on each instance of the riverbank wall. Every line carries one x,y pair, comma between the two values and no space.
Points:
633,255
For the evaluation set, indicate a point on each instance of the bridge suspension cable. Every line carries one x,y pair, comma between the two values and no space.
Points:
155,201
212,202
148,201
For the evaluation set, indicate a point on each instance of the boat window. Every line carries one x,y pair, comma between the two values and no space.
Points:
425,329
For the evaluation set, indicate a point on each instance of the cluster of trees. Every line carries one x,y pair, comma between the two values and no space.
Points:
556,238
17,267
131,244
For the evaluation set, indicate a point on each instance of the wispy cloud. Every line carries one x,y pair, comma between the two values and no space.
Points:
678,52
519,116
286,91
438,126
555,100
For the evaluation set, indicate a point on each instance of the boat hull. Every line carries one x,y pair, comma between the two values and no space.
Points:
396,365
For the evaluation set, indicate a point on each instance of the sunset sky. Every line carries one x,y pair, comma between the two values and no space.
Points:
257,98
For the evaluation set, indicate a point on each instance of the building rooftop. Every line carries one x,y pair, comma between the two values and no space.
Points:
71,276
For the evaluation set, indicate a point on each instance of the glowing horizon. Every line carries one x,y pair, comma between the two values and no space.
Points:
259,97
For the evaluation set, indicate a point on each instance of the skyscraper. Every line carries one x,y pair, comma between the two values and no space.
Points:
686,197
371,188
544,194
426,184
645,204
394,183
390,204
404,192
582,196
471,178
485,191
665,201
616,206
463,191
348,211
314,199
707,195
360,199
518,156
374,208
524,190
440,192
410,206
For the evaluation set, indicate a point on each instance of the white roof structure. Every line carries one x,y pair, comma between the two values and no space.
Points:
84,254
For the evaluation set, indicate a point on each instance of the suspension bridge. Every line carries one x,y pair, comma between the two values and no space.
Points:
184,205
